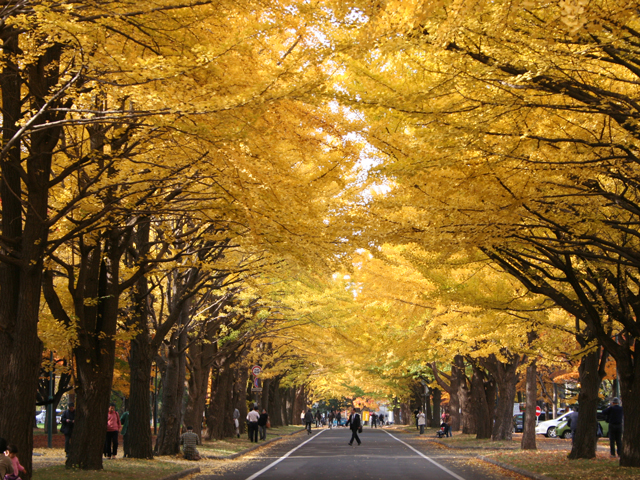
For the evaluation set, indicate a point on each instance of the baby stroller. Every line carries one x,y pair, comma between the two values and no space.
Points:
442,432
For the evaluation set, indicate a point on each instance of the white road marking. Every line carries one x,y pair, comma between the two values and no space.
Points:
454,475
257,474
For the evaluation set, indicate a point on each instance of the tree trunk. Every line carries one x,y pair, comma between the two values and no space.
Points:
506,379
139,406
200,358
585,442
529,421
405,413
300,403
479,407
468,423
241,378
221,402
275,413
173,384
21,277
630,394
95,350
452,389
265,395
437,398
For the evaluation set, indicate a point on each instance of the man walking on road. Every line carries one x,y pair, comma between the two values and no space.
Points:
308,420
614,417
355,424
252,417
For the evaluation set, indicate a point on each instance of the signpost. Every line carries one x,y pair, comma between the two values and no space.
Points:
538,411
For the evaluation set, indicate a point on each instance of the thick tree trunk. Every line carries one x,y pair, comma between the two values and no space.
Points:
289,399
21,275
139,406
468,423
173,384
265,395
405,413
479,405
300,403
241,379
95,351
630,394
200,357
506,379
437,398
528,441
275,410
221,402
451,388
585,442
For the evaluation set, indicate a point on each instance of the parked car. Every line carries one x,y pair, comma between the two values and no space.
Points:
548,427
563,430
518,423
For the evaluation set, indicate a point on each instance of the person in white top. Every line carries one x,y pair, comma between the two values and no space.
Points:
421,421
252,417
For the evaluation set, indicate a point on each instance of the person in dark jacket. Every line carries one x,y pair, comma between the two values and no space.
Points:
355,423
67,420
308,420
572,422
262,424
613,415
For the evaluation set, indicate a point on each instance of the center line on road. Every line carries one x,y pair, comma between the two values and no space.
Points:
257,474
454,475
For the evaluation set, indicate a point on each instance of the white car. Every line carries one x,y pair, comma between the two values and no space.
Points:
548,427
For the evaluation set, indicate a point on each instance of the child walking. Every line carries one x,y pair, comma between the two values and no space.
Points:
12,453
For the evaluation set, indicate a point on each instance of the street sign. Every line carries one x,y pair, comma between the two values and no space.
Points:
256,389
256,370
538,411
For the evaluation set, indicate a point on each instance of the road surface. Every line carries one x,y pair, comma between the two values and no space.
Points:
384,454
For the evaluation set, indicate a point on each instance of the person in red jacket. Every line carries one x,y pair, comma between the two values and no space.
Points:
113,429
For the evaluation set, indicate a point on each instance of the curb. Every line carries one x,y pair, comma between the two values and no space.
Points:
181,474
519,471
250,449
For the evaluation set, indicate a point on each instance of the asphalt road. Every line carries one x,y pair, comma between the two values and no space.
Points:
382,455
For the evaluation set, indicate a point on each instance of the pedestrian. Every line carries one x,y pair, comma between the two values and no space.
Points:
381,419
355,423
6,465
338,418
421,420
332,417
572,422
374,420
614,416
252,417
67,420
113,430
189,440
447,421
236,421
318,419
12,451
308,420
415,414
263,421
126,444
